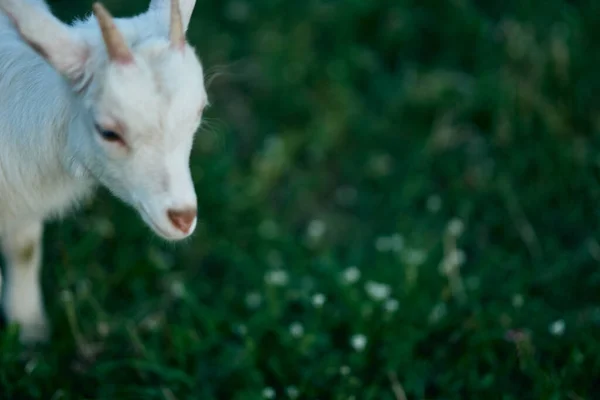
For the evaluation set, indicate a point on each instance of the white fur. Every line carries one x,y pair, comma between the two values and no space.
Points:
52,157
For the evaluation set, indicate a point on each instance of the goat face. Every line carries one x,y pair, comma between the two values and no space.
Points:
145,110
140,104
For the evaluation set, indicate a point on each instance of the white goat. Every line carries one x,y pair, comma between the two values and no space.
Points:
111,102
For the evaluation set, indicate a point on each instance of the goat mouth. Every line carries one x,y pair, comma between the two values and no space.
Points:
150,222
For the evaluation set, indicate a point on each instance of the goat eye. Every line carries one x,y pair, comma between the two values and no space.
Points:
108,135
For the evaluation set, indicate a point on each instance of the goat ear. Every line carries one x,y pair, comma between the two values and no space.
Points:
186,7
52,39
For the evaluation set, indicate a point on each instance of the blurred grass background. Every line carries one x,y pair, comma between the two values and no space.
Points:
398,200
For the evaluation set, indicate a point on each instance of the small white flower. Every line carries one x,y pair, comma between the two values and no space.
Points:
396,242
391,305
438,312
104,227
83,287
378,291
277,277
434,203
316,229
30,366
253,300
103,328
296,329
445,267
268,393
318,300
456,227
292,392
274,145
351,275
177,289
454,259
150,323
383,244
359,342
241,329
381,164
59,394
66,296
557,328
415,257
458,257
518,301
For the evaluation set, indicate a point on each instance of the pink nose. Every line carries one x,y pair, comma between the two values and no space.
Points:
182,219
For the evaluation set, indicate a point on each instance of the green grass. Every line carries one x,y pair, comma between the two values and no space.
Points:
447,151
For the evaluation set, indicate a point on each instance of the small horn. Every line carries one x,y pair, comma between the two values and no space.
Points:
176,34
115,43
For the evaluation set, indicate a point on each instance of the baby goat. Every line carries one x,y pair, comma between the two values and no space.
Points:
111,102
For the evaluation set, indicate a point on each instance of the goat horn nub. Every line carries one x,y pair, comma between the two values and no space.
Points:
176,34
115,43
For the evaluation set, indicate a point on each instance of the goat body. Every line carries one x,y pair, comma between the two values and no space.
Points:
36,107
111,102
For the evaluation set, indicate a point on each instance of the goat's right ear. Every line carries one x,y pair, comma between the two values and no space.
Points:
52,39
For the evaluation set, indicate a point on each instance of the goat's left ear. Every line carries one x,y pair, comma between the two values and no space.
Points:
52,39
186,7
